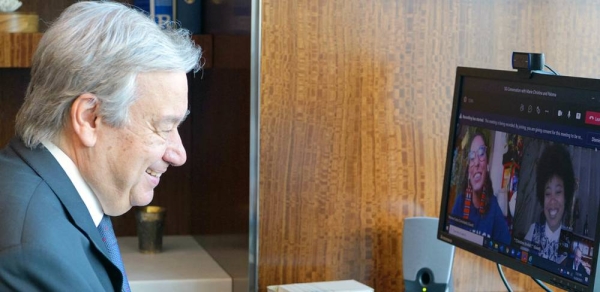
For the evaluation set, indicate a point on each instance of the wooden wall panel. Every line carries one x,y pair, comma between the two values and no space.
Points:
17,49
355,103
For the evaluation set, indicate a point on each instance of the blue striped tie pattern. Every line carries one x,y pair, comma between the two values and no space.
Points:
108,236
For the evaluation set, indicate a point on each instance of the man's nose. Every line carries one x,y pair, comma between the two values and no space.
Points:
175,154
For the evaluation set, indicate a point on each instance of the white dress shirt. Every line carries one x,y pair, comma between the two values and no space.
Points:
84,190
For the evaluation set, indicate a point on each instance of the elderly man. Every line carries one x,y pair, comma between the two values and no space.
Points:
577,263
97,130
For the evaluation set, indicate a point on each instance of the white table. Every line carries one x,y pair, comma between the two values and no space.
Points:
183,265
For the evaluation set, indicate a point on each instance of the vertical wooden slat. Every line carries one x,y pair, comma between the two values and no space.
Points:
16,49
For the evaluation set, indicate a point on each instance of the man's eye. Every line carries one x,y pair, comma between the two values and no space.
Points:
168,130
163,133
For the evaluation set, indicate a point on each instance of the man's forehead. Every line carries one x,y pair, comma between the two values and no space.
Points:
162,95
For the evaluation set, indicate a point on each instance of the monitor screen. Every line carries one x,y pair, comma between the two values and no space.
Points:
522,174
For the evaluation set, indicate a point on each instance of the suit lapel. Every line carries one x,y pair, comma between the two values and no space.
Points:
46,166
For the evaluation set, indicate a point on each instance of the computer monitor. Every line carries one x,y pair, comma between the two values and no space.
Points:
522,175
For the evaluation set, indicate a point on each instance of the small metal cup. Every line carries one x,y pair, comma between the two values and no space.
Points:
150,224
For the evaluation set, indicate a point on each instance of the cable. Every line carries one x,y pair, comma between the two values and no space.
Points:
541,284
551,70
508,288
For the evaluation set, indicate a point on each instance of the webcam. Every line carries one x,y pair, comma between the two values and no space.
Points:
527,61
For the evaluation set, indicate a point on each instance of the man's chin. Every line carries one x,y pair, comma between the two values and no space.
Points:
142,199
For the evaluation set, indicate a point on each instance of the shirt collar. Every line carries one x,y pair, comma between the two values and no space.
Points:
553,235
87,195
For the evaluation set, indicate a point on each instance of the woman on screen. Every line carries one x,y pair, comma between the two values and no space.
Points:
477,204
555,185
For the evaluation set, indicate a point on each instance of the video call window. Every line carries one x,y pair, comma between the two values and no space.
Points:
531,199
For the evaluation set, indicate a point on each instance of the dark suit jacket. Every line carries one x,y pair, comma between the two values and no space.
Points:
571,265
48,240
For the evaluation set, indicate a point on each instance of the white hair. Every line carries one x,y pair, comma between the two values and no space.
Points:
98,48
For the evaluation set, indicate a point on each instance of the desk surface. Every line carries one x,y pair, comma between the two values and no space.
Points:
182,266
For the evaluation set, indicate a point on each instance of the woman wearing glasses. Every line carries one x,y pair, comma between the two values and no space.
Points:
476,206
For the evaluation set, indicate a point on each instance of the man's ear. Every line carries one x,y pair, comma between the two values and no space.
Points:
84,119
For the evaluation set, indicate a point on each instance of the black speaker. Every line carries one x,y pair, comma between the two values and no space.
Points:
426,260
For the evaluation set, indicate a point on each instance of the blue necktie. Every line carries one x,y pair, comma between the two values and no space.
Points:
109,238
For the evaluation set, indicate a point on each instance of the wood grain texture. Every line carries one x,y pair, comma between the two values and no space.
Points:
17,49
19,22
355,103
